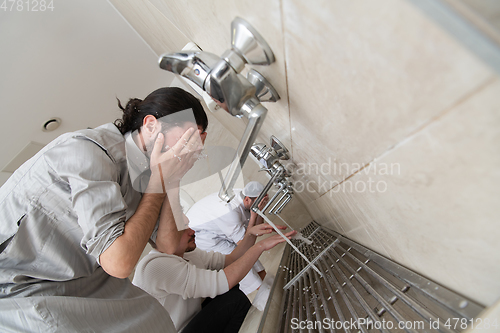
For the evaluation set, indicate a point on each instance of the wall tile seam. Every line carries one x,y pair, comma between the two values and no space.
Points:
430,122
111,2
171,23
140,20
282,14
474,19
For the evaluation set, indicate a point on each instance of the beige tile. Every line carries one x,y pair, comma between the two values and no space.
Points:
158,32
301,180
363,76
295,214
438,213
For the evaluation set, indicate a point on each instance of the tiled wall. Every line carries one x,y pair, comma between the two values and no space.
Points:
393,125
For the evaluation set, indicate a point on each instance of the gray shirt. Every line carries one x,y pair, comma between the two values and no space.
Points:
58,212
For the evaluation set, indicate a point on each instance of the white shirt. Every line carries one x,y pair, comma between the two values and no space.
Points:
219,226
181,284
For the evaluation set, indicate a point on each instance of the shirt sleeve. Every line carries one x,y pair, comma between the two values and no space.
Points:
213,260
258,266
95,193
174,275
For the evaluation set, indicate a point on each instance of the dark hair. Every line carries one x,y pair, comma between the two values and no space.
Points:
160,103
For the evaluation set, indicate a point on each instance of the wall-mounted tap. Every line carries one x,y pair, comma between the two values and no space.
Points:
220,78
269,158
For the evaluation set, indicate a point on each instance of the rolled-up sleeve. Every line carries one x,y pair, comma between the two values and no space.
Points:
182,278
93,179
212,260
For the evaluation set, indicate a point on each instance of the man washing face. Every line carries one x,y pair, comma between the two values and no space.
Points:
181,279
220,226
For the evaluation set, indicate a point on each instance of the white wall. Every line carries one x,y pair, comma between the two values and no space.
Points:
71,63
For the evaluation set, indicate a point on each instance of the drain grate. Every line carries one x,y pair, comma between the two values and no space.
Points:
361,291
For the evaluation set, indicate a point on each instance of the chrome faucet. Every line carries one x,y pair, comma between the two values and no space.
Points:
269,158
239,96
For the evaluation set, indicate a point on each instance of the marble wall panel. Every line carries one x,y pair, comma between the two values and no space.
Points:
365,84
365,75
156,30
437,213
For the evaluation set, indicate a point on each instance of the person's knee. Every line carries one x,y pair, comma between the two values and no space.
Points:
239,297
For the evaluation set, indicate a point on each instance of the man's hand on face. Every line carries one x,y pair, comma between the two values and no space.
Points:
173,164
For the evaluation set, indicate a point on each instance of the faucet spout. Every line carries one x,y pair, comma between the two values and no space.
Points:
281,188
219,77
256,117
275,176
195,66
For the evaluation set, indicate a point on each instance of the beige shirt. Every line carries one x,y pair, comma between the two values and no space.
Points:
181,284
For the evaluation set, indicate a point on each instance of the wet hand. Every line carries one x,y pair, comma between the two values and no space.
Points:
263,228
270,242
172,165
263,202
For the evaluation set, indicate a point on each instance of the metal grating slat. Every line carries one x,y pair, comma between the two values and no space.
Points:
356,286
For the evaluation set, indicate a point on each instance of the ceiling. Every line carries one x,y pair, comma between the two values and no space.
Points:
70,63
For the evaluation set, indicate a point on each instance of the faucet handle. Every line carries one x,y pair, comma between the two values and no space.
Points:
193,65
279,148
250,44
264,90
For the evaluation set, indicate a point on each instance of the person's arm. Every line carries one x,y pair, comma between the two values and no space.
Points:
255,218
174,275
236,270
249,240
171,225
120,258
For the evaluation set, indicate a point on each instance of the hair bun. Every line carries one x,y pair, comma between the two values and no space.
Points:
160,103
133,105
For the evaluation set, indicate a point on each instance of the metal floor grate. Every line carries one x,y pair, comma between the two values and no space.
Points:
360,286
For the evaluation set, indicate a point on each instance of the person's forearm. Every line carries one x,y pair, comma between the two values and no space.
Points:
252,221
237,270
243,246
120,258
171,226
